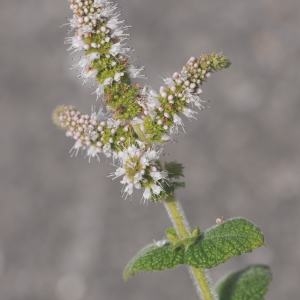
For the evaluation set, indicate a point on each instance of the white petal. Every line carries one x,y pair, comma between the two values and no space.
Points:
189,113
120,172
156,175
93,151
129,189
147,194
156,189
108,81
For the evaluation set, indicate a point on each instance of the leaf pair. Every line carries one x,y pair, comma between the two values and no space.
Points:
213,247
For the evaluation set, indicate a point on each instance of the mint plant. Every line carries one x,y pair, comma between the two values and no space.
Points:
130,126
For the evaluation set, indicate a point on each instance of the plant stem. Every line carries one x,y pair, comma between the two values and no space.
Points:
181,225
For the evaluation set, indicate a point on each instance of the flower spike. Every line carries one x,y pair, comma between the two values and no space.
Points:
181,95
139,120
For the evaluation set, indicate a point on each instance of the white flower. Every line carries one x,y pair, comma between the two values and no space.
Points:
169,81
196,100
135,72
165,138
156,175
113,23
156,189
99,91
120,32
177,120
93,151
152,100
108,81
75,149
115,49
107,150
128,190
147,194
83,63
109,9
112,123
189,113
151,155
118,48
89,74
119,172
100,2
76,43
118,76
100,114
137,169
99,18
152,189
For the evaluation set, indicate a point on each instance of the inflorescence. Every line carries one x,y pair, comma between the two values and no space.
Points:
137,120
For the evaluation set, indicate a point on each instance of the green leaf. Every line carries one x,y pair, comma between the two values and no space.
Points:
175,173
248,284
174,169
222,242
200,250
171,235
155,257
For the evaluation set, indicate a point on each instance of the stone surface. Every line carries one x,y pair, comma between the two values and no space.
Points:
64,232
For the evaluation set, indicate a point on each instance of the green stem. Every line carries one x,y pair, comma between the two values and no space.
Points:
177,217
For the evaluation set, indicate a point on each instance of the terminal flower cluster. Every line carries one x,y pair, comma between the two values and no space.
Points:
138,120
130,124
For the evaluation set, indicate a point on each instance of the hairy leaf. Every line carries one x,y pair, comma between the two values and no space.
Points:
248,284
155,257
174,169
222,242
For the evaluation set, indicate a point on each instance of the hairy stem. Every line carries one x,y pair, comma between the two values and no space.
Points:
181,225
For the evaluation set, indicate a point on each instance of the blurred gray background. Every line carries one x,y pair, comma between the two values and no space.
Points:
65,233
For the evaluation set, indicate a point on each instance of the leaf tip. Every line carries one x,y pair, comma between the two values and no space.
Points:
128,272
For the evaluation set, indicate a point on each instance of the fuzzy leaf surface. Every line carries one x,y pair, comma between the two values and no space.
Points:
154,257
248,284
222,242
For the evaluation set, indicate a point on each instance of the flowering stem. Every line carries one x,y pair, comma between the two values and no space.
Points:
181,225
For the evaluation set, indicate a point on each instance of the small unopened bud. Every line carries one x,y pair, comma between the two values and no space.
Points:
220,220
191,60
176,75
